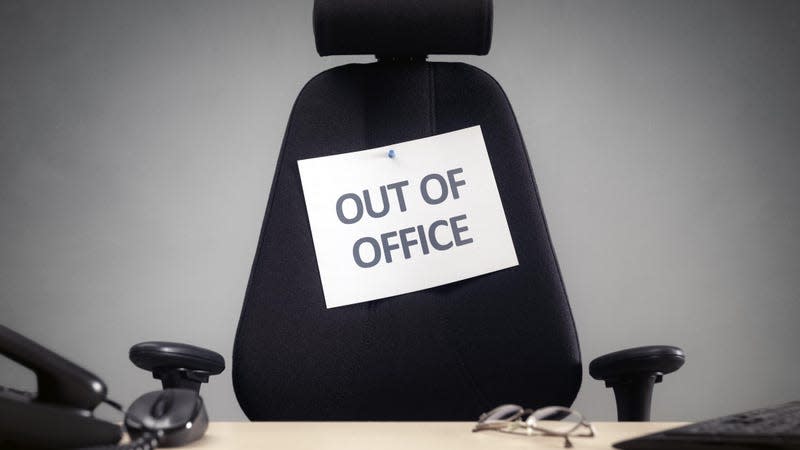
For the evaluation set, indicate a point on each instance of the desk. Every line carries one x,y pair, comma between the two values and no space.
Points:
401,436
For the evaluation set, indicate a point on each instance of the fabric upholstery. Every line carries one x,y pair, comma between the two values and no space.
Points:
446,353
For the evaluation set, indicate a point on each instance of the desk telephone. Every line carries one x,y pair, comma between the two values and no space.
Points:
61,414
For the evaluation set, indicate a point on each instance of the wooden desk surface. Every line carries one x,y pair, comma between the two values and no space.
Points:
401,436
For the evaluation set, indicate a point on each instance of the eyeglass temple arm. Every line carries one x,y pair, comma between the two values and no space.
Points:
632,373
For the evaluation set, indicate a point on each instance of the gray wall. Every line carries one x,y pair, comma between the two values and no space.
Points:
138,141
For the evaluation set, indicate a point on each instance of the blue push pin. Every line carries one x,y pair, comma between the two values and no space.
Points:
392,153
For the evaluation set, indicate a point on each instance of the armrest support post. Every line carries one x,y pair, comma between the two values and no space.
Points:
633,398
632,374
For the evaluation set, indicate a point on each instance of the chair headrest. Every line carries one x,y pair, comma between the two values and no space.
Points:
402,27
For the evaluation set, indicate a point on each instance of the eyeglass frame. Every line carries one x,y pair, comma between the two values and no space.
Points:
515,422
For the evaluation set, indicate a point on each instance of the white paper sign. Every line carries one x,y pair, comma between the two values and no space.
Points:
427,215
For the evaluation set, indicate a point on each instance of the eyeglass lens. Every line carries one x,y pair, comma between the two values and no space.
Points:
502,413
555,419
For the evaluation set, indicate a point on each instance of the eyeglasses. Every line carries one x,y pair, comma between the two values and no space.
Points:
561,421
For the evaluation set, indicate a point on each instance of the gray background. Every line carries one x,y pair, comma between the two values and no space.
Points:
138,141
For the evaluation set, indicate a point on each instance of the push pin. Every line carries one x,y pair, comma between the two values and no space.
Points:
392,153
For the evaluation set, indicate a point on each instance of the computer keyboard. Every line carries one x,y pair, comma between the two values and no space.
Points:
776,427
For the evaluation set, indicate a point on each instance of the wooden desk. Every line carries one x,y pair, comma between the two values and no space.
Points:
401,436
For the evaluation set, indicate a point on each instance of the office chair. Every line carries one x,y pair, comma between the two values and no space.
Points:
445,353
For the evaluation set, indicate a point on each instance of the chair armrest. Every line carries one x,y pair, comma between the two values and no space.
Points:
654,359
177,365
632,373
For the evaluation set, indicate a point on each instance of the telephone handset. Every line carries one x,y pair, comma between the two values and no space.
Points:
60,414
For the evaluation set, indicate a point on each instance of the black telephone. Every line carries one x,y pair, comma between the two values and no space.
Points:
60,415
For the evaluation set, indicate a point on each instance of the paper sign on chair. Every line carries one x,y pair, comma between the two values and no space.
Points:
405,217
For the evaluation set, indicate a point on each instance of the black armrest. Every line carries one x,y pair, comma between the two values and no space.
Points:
177,365
632,373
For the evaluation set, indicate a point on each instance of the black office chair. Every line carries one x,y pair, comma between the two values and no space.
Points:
445,353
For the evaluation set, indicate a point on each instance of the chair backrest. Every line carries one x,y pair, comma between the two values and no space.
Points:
446,353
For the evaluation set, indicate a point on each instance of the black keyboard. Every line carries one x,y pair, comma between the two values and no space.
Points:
776,427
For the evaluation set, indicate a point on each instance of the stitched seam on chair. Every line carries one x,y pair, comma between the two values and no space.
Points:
544,221
443,338
235,357
368,333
